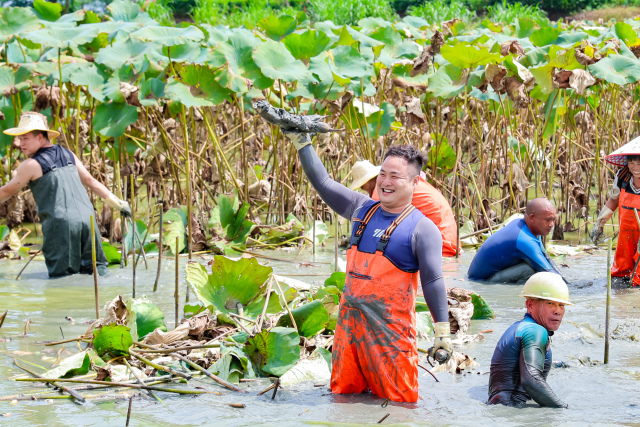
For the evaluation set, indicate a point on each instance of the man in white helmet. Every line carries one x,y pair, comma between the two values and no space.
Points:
56,177
522,359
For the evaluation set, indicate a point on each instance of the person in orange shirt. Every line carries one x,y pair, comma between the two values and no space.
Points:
426,199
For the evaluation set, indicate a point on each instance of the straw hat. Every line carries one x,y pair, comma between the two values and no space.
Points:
31,121
362,172
619,157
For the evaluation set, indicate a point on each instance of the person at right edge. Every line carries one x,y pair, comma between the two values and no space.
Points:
625,193
393,247
522,359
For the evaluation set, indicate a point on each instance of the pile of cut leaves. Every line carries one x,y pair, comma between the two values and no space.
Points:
249,323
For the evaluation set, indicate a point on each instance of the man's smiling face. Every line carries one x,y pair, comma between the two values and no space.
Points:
395,184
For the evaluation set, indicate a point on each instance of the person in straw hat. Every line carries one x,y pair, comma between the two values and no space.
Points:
625,192
522,358
426,199
55,177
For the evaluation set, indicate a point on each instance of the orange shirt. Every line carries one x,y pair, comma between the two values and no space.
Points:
434,206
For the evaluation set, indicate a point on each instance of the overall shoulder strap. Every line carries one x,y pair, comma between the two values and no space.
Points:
47,158
365,221
384,240
67,157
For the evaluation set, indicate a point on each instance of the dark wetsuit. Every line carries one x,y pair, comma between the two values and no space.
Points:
520,366
426,239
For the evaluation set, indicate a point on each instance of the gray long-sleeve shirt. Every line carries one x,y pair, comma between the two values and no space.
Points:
426,241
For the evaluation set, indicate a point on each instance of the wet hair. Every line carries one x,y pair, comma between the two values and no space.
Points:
410,154
633,158
44,133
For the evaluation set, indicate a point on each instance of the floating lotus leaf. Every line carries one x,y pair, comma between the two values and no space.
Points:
169,36
617,69
233,365
112,119
111,252
481,310
237,54
274,352
277,27
113,340
47,11
311,318
307,45
544,36
78,364
276,62
467,55
62,37
15,21
174,224
148,317
243,281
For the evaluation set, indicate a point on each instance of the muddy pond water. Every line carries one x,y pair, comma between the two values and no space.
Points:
597,395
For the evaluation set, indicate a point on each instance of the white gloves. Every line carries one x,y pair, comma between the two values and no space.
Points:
598,226
120,205
299,139
442,341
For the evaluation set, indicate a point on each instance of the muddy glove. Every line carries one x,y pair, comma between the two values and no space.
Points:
598,227
442,341
114,203
299,139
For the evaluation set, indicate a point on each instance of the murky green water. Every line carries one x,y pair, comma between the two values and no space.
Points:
596,395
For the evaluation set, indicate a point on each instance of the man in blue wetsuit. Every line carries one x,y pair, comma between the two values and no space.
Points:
515,253
522,359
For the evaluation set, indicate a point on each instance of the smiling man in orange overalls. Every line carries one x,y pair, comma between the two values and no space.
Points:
625,193
393,248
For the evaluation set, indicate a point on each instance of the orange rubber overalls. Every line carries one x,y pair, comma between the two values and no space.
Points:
627,249
375,339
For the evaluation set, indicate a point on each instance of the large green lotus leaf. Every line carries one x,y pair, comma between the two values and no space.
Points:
319,81
112,339
416,21
310,318
544,36
274,352
47,11
481,310
387,35
112,119
217,34
11,81
625,32
448,82
292,228
442,155
231,215
467,55
78,364
169,36
524,27
124,10
15,21
174,224
276,62
237,54
91,78
111,252
277,27
346,63
307,45
131,52
403,73
186,52
116,29
148,316
373,23
349,35
489,95
62,37
233,365
380,122
232,282
199,88
569,39
327,27
151,91
617,69
392,54
559,58
80,17
337,279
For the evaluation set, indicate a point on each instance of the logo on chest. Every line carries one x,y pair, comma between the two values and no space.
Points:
378,232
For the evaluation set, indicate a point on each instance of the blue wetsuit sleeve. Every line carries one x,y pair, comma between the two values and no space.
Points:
532,367
340,199
533,252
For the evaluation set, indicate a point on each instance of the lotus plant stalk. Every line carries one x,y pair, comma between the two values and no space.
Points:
155,285
95,268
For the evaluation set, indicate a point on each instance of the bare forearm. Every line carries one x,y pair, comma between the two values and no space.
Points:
97,187
5,194
612,204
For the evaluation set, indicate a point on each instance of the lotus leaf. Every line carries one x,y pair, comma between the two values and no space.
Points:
337,279
277,27
131,52
112,119
349,36
448,81
291,229
169,36
123,10
311,318
232,282
467,55
15,21
625,32
307,45
524,27
174,225
233,365
322,233
481,309
200,89
113,340
544,36
217,34
47,11
617,69
148,317
424,324
274,352
346,63
186,52
141,229
276,62
78,364
91,78
11,82
62,37
112,253
403,74
372,23
441,155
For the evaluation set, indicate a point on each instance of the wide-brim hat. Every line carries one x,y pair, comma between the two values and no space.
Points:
29,122
362,172
619,157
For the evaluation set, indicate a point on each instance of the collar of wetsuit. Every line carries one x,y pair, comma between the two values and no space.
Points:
531,317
